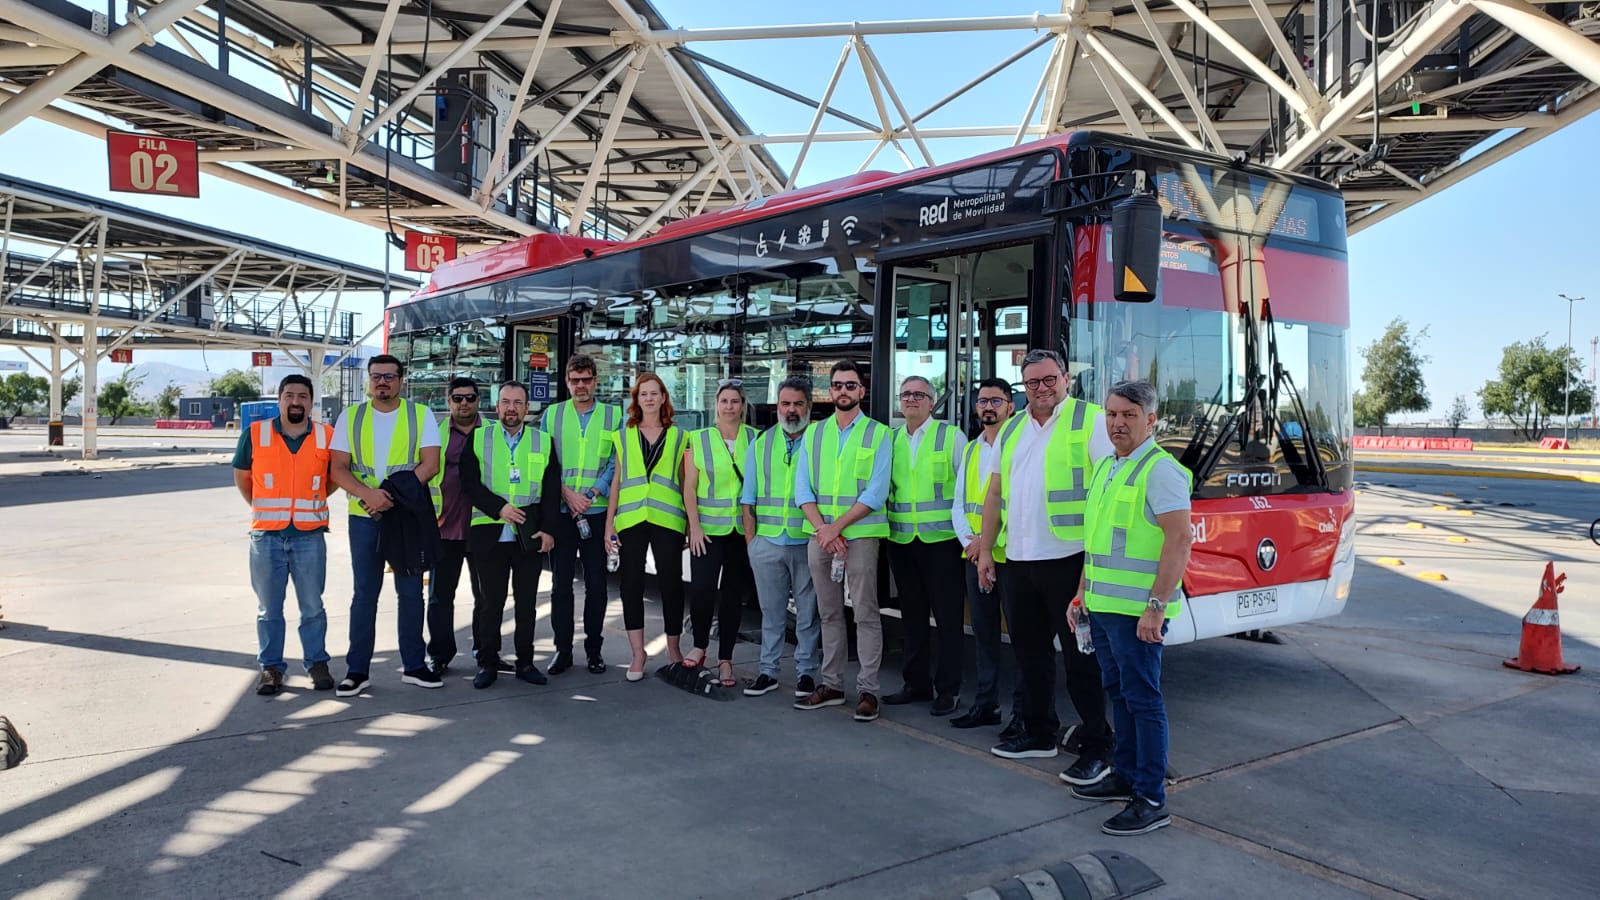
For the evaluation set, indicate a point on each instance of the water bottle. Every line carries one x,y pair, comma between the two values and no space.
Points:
613,557
838,569
1085,637
584,532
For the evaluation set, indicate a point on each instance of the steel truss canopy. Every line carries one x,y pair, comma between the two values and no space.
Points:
81,278
488,119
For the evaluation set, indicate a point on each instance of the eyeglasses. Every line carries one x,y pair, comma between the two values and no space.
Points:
463,398
992,402
731,382
846,385
384,376
913,396
577,379
1045,383
511,402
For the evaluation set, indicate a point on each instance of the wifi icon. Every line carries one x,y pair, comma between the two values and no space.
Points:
848,223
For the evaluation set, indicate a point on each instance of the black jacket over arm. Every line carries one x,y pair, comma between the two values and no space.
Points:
409,535
545,517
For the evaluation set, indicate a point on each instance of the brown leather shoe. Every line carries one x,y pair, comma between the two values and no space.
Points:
822,696
867,708
271,682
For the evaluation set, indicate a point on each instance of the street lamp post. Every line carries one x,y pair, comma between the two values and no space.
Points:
1566,363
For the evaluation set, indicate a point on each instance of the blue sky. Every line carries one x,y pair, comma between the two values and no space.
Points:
1479,265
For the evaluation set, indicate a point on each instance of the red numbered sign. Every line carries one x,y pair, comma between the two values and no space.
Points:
426,252
122,355
148,164
261,358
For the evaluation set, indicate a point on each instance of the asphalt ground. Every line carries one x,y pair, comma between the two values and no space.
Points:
1386,752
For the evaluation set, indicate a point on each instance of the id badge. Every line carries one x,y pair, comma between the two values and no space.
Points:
516,476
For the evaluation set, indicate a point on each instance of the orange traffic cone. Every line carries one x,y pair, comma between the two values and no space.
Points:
1541,630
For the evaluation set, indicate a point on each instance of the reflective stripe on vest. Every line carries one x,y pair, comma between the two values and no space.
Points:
495,463
650,496
1124,541
1066,469
405,450
776,512
838,476
436,483
718,488
289,488
584,450
975,490
923,488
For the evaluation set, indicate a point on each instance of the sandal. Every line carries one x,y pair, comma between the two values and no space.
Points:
728,680
693,662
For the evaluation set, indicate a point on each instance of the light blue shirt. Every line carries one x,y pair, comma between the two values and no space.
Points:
507,533
877,489
794,446
602,486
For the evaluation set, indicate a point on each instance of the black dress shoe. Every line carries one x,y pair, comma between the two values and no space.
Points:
530,673
1138,817
1013,729
484,678
1089,769
907,695
506,666
977,717
1111,787
944,706
562,663
597,666
438,668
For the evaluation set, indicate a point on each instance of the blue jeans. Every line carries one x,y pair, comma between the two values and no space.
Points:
1130,669
366,566
275,558
779,571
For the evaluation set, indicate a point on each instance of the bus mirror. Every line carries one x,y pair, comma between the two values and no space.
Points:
1136,248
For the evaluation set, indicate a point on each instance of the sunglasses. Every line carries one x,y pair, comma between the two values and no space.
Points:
846,385
463,398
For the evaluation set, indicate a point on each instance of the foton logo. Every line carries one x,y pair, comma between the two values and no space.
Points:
1254,479
934,213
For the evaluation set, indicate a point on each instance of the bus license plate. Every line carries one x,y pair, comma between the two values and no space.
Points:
1256,603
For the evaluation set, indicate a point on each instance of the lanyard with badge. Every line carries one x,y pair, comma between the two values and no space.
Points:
511,444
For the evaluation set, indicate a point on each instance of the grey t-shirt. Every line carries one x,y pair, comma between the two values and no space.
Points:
1168,487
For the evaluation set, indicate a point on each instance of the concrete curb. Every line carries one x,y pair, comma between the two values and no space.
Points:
1097,875
1479,473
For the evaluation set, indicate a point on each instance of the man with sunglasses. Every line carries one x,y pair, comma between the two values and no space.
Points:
841,484
372,441
923,551
454,509
1034,514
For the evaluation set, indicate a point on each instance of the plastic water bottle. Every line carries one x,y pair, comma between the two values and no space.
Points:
1082,632
584,533
837,574
613,557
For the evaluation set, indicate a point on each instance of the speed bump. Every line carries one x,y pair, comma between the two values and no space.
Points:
1456,539
1097,875
1389,561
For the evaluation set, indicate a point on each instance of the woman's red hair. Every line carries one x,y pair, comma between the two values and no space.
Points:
636,415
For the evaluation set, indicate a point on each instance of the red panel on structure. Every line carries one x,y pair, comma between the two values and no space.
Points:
1373,442
427,252
146,164
122,355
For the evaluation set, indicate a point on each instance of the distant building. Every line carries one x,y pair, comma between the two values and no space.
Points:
217,410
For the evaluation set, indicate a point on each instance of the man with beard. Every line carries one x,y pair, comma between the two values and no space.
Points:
371,441
841,484
774,527
972,485
513,478
454,509
285,479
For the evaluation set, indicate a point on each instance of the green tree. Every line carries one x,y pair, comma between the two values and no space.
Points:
1531,389
240,384
1393,375
118,398
1459,411
71,389
20,392
167,401
1365,414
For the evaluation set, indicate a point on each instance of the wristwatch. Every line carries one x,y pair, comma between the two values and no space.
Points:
1156,603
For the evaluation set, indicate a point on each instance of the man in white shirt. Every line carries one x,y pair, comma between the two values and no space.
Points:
371,441
1035,510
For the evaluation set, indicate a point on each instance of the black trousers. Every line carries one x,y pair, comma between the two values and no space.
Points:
930,579
442,586
1036,594
726,556
563,567
666,546
496,568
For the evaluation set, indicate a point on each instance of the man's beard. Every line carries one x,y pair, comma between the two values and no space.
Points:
295,415
846,403
511,421
794,425
988,417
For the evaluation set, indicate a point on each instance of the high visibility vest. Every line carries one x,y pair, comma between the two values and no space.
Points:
1066,468
1124,541
777,514
923,489
405,446
974,492
584,452
288,488
720,482
496,463
436,483
839,475
650,496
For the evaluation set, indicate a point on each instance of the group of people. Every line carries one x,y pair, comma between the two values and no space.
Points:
1066,518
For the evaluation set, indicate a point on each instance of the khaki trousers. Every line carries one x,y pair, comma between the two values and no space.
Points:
861,579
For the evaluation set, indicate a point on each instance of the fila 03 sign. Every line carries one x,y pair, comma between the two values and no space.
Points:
426,252
144,164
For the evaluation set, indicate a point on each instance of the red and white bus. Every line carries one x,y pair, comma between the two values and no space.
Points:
953,273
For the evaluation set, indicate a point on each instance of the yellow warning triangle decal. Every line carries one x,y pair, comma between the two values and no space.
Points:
1131,283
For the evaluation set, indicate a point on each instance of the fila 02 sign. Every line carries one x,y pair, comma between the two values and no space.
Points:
147,164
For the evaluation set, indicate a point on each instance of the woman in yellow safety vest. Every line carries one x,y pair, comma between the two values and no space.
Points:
712,484
646,512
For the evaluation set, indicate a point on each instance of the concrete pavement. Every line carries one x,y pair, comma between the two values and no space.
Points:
1383,753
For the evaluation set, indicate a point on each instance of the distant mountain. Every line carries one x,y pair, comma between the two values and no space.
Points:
158,375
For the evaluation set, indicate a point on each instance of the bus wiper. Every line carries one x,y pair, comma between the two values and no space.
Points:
1309,470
